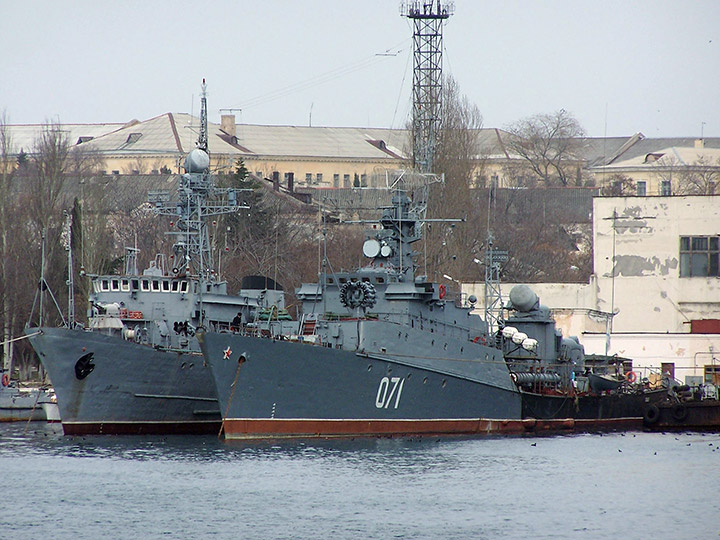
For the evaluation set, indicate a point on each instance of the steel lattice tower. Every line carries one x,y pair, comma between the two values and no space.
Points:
428,17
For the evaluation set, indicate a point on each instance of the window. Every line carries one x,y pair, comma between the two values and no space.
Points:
318,178
336,180
363,180
125,285
308,178
166,286
346,180
699,256
641,189
145,285
115,284
665,188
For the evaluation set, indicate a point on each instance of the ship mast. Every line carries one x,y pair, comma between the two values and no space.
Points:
197,200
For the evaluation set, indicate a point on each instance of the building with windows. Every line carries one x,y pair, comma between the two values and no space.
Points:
662,167
346,157
654,295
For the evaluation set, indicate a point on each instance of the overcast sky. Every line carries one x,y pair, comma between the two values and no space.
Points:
620,66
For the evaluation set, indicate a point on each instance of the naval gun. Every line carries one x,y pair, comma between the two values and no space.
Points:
534,348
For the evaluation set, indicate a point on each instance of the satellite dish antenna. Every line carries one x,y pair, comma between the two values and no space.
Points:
386,250
371,248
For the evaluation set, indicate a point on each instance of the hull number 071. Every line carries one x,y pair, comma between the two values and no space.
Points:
388,394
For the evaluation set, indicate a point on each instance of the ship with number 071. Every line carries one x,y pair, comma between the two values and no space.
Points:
378,351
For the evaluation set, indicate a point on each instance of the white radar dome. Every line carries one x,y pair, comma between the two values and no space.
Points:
197,161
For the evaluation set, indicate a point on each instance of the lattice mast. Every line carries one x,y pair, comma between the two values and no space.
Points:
198,199
428,18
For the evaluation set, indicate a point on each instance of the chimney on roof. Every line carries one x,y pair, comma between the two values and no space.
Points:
699,143
227,124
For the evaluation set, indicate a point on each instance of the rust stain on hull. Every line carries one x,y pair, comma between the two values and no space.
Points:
252,428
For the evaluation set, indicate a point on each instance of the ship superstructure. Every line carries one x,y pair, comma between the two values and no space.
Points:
137,368
379,351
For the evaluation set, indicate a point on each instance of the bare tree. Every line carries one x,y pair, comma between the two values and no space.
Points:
699,178
6,174
551,144
450,248
619,185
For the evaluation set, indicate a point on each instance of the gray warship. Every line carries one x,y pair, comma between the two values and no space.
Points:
378,351
381,352
137,367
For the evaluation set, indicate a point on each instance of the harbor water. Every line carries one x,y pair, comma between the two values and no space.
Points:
632,485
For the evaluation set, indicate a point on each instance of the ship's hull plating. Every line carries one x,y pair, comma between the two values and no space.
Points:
16,405
608,406
132,388
272,388
699,415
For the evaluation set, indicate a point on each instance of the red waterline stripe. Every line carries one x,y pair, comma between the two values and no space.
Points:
252,428
141,428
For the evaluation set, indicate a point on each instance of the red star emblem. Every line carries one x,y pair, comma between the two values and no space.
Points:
227,352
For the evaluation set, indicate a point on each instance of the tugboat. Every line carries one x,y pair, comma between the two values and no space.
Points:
137,367
686,407
378,352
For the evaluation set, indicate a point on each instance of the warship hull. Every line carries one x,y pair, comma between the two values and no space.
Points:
590,406
275,388
131,388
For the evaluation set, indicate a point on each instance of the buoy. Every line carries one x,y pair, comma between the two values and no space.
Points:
5,379
441,291
631,377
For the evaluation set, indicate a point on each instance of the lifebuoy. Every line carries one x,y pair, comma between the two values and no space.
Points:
5,379
631,377
441,291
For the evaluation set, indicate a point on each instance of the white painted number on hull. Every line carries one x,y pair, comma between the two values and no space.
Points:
389,390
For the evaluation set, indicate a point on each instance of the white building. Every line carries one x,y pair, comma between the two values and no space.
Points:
656,268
